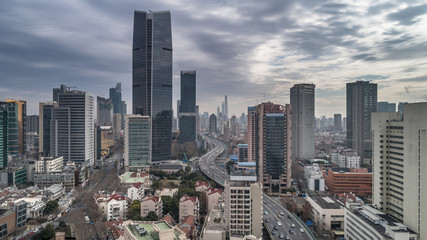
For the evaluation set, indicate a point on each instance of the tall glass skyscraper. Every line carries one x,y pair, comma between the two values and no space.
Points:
361,103
3,135
17,117
45,115
152,77
187,107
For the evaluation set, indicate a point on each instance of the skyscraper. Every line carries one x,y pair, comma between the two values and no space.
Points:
105,111
152,77
386,107
137,144
303,122
32,123
337,123
225,107
361,102
187,109
72,129
17,116
399,157
3,135
212,123
252,139
56,91
45,115
116,98
273,145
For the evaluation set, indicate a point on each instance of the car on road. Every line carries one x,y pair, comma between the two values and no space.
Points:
273,232
289,216
278,215
301,230
281,236
286,237
281,213
279,223
292,225
265,213
267,220
276,227
291,231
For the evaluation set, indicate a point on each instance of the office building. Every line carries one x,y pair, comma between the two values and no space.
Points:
361,102
56,91
104,111
45,116
243,152
345,158
344,124
116,98
399,166
32,123
3,135
251,136
32,142
273,144
364,221
17,116
72,128
401,106
386,107
302,103
187,109
137,152
212,123
117,126
152,77
337,123
65,177
104,139
243,200
48,164
346,180
314,177
225,111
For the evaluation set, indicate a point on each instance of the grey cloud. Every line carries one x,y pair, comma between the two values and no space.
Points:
369,57
407,16
376,9
415,79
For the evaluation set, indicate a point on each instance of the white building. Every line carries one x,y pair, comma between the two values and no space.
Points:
137,141
136,191
366,222
35,207
243,199
167,192
55,191
72,132
152,204
327,213
314,177
400,166
48,164
346,158
117,207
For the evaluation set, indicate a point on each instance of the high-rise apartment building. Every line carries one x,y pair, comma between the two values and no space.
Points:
187,108
361,102
152,77
212,123
45,115
303,121
337,123
252,140
243,199
225,113
72,127
104,111
17,116
3,135
271,137
400,166
137,141
32,123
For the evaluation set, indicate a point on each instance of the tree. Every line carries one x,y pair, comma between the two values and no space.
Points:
187,169
203,204
134,210
50,207
171,206
151,216
156,185
47,233
229,165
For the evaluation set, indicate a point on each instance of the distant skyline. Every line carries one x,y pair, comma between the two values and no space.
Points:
251,51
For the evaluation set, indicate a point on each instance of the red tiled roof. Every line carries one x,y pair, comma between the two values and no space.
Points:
152,198
139,174
169,219
137,185
214,190
186,198
116,197
187,225
200,183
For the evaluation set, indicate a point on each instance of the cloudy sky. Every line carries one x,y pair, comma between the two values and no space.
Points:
253,51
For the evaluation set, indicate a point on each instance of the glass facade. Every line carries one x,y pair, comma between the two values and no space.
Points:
137,142
187,107
274,142
152,77
17,112
3,135
361,103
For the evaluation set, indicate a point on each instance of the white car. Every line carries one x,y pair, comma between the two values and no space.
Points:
279,223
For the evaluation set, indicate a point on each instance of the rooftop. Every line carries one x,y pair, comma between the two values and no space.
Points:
326,202
213,225
134,230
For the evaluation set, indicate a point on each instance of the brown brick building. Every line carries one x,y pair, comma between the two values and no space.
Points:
7,222
345,180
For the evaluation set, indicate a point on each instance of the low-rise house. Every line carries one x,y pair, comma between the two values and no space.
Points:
213,195
189,206
152,204
55,191
35,207
113,206
167,192
136,191
188,226
202,186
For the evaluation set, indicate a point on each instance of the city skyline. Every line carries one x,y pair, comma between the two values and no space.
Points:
380,42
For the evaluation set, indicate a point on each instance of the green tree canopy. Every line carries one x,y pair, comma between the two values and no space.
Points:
151,216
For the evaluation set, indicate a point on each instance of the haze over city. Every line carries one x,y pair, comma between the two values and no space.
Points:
251,51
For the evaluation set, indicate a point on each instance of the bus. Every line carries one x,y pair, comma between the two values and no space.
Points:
87,219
